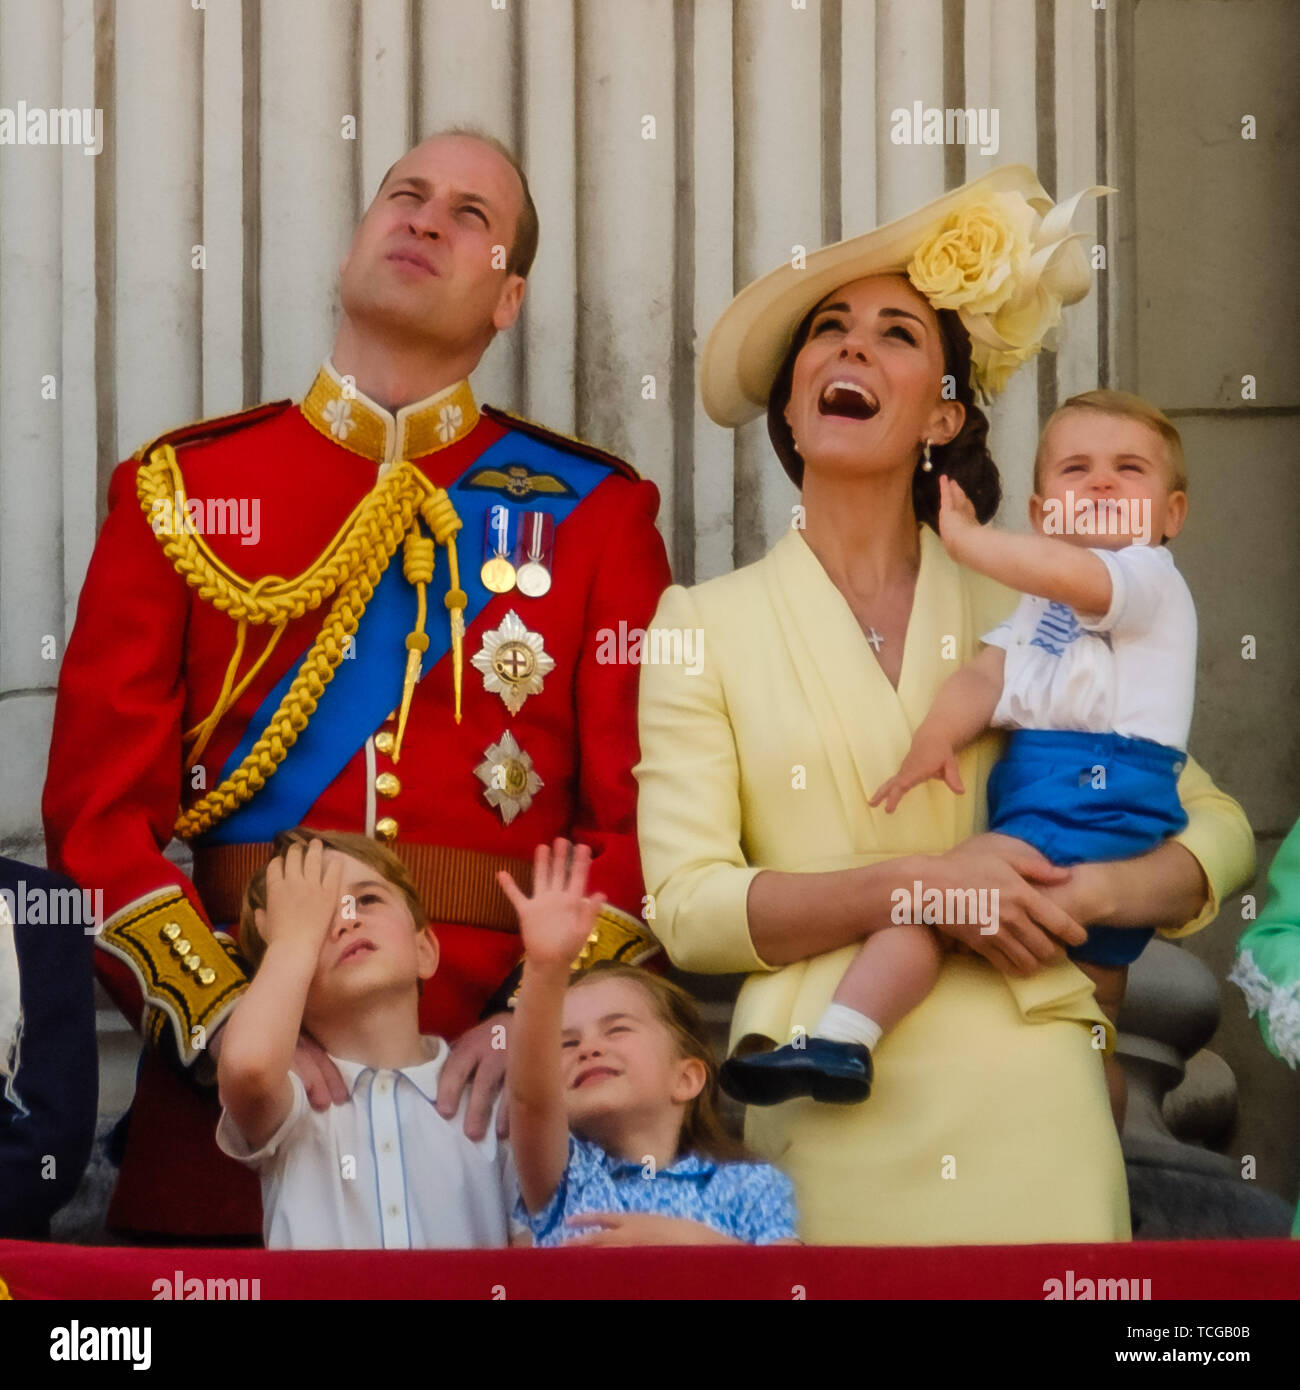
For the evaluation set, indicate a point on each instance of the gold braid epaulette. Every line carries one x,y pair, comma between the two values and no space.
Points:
349,567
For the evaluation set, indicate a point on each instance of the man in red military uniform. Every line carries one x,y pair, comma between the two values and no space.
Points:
383,609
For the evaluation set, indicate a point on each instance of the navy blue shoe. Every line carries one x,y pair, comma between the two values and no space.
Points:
836,1073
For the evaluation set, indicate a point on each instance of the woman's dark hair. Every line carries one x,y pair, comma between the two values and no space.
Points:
965,458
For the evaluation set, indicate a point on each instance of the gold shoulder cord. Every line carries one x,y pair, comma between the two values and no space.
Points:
349,567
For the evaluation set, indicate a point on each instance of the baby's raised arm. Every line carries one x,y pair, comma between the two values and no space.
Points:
555,924
961,712
302,897
1040,565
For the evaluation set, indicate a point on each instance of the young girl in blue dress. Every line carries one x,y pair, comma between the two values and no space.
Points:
613,1091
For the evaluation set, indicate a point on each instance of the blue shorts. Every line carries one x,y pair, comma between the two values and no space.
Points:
1079,798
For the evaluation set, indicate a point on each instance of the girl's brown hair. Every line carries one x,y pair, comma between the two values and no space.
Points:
965,458
702,1130
370,852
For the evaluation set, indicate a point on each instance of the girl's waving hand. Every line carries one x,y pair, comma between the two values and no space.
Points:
557,920
555,924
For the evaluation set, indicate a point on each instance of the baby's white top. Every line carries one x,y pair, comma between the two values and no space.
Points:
1130,672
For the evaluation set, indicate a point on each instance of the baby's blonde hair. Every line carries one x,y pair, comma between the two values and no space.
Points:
1127,407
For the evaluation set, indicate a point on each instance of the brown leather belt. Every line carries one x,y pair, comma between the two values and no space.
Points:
456,885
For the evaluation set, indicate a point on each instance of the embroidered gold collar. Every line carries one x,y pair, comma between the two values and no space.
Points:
350,418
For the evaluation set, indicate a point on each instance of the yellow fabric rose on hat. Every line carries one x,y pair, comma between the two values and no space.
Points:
1007,269
972,260
991,370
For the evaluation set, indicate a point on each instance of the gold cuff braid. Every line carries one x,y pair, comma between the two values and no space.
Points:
618,937
186,975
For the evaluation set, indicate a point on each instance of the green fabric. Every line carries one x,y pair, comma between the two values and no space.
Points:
1268,961
1268,956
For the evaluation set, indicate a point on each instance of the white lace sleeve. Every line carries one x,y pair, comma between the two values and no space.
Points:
1279,1004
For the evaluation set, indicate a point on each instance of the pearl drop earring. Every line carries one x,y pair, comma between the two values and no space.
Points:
926,465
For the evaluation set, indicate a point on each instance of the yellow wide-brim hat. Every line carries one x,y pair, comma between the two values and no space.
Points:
997,250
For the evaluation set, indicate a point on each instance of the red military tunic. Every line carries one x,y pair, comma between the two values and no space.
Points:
150,655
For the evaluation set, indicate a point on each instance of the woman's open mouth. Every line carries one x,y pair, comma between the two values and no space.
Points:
849,400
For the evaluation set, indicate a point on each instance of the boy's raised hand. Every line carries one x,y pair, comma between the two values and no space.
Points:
557,920
926,758
957,517
303,893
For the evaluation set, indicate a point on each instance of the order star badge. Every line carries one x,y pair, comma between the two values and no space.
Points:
513,662
507,773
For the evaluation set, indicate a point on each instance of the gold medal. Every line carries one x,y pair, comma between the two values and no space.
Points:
497,573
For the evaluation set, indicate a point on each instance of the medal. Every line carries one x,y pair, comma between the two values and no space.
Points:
513,662
534,574
497,573
508,778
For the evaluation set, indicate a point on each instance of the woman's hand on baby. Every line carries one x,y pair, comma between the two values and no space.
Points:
1029,930
1083,895
644,1228
557,921
304,892
927,757
957,519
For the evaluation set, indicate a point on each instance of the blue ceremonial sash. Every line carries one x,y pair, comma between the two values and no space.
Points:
367,687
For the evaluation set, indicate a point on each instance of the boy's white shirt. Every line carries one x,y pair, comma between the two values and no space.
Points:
1131,672
383,1170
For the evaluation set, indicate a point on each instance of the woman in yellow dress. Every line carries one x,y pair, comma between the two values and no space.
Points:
988,1121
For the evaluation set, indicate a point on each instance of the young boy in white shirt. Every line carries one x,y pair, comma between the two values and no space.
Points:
339,943
1094,673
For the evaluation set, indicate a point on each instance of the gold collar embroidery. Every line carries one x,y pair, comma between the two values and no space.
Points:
361,426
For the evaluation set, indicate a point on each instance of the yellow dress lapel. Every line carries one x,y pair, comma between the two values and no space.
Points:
865,724
840,678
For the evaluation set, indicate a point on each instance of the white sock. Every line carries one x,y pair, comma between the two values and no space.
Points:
839,1023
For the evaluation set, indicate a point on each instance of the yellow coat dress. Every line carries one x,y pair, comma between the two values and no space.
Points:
988,1121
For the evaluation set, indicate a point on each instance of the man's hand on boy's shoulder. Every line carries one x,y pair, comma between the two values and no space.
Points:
474,1062
478,1060
321,1079
312,1065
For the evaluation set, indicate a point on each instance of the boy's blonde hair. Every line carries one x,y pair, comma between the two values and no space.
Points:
1127,407
369,852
